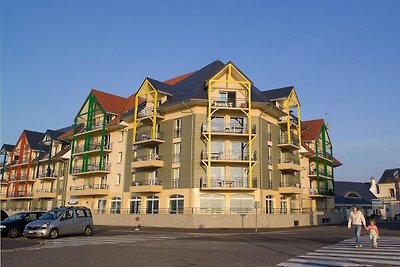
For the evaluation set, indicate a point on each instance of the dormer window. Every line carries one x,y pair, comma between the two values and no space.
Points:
352,195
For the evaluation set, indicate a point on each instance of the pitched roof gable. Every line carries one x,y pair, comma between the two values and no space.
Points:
111,103
362,189
7,148
278,93
178,79
34,139
313,130
388,176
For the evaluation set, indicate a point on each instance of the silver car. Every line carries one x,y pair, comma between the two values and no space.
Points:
61,221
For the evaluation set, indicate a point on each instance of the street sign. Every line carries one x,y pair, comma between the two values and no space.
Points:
257,204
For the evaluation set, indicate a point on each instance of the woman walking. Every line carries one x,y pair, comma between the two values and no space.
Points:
356,220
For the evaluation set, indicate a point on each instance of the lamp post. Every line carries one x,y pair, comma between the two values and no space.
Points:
256,207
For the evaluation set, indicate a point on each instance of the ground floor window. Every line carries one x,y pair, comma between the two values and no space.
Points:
136,202
116,205
212,203
269,205
176,204
242,203
152,205
284,208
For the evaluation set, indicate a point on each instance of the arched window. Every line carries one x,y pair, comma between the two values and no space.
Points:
284,208
176,204
212,203
242,203
352,195
136,202
152,205
116,205
269,204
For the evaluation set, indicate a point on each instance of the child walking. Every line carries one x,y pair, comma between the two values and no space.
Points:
373,233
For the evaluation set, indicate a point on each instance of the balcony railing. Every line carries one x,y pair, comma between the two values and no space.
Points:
289,161
146,182
147,157
321,172
289,181
47,174
284,119
144,136
176,158
92,168
229,128
294,140
314,191
175,183
21,194
178,133
147,112
45,191
93,146
88,187
226,155
223,102
228,182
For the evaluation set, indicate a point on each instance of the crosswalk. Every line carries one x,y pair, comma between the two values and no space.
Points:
345,254
100,240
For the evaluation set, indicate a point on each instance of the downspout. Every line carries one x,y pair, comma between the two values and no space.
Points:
191,157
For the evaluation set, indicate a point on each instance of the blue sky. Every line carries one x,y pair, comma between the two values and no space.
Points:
343,57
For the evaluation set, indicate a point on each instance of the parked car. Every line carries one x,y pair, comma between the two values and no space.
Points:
4,215
61,221
14,225
397,217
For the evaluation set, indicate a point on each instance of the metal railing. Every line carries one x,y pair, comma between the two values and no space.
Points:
289,161
91,168
147,112
223,102
93,146
148,135
48,174
96,125
292,120
176,157
289,181
229,128
175,183
294,140
88,187
21,194
45,191
314,191
146,182
147,157
320,172
228,182
229,155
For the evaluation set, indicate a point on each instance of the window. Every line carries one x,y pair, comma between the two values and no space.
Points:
118,178
116,205
80,213
242,203
284,209
391,191
178,128
352,195
69,214
269,179
136,202
212,203
177,153
101,204
176,204
269,205
119,157
122,136
175,179
152,205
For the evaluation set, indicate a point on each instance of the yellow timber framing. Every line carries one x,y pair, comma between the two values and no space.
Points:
290,102
247,111
146,89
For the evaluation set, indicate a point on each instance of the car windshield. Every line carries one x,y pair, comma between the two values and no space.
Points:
51,215
14,217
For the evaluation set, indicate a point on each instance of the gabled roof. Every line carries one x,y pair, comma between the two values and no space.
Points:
388,176
278,93
362,189
7,148
70,132
53,134
313,130
61,153
162,87
34,139
111,103
176,80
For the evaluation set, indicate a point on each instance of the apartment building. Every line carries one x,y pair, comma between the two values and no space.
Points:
389,193
5,152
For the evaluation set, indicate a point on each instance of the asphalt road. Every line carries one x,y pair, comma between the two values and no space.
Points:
110,246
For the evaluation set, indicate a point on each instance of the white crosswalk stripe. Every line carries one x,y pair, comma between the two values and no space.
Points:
99,240
345,254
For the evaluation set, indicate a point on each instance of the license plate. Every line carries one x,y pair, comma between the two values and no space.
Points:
30,232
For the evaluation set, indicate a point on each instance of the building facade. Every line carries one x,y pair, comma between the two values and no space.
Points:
389,193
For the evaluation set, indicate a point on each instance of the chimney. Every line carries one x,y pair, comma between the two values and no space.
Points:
373,181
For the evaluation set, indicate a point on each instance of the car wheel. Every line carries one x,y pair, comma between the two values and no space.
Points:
53,233
13,233
88,231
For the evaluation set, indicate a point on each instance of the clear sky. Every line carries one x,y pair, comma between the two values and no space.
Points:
343,57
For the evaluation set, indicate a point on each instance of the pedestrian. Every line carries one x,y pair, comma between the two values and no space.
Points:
373,233
356,220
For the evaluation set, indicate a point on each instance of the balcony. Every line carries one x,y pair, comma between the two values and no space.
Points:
228,183
3,182
47,176
313,193
149,186
229,156
321,156
21,195
293,144
321,173
90,190
94,147
45,193
289,185
96,127
147,162
18,162
3,196
147,114
22,179
229,103
91,169
283,122
146,138
229,129
285,164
